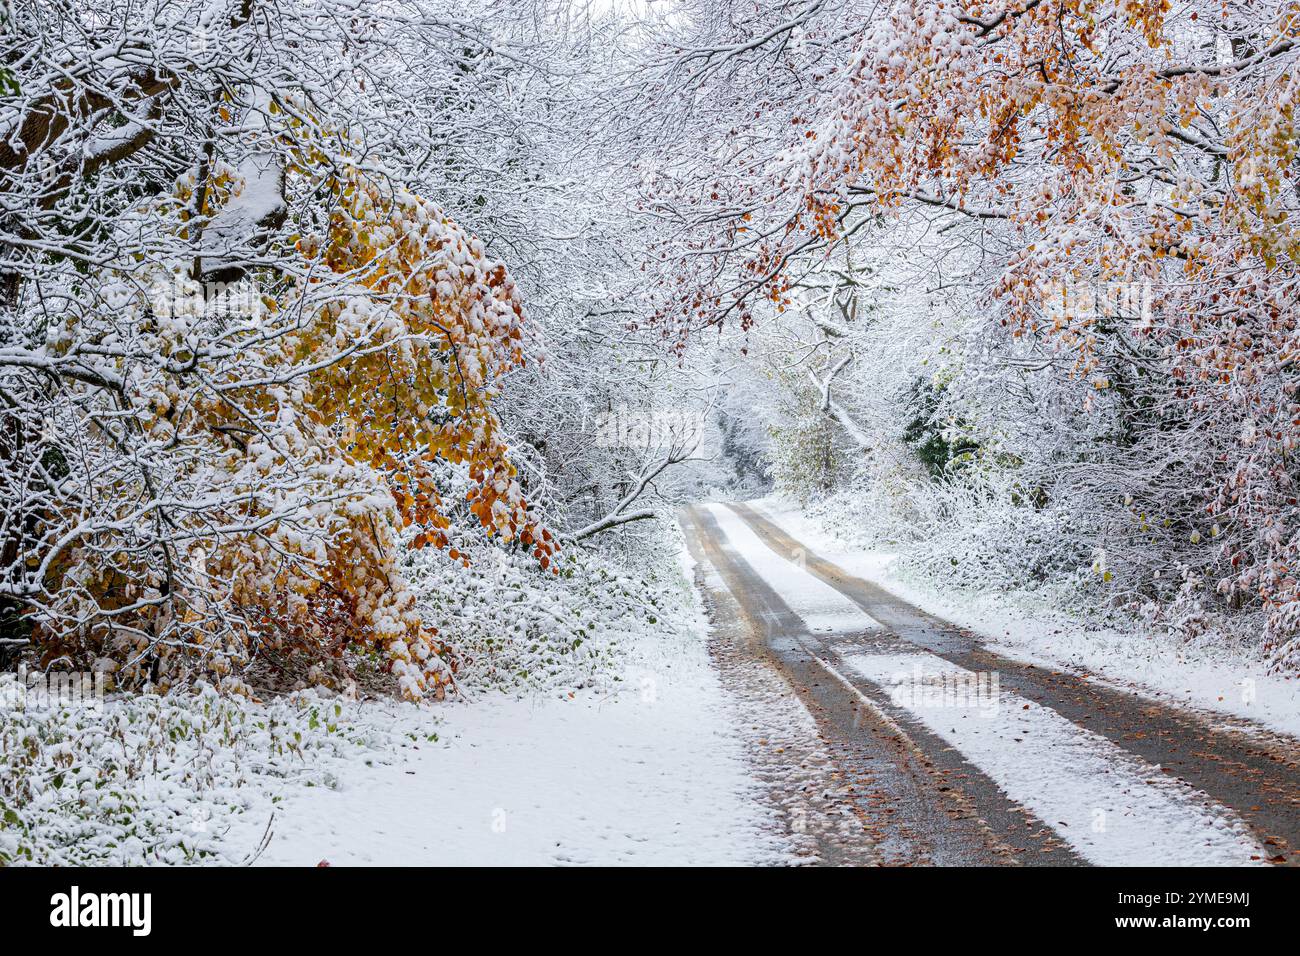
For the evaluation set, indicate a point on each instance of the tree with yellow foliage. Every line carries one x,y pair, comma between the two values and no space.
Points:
236,353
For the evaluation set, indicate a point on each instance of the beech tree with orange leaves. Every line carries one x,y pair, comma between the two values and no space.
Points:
1134,152
237,347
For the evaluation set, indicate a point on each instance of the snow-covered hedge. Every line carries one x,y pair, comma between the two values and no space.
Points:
974,536
519,629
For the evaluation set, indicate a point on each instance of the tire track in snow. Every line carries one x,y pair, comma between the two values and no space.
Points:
902,789
1111,805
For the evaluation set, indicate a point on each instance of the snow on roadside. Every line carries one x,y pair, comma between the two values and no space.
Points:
627,779
646,770
1221,681
594,730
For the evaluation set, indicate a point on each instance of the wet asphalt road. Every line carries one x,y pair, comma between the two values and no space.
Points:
921,800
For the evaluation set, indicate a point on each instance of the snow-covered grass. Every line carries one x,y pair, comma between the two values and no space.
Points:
649,775
160,780
1231,680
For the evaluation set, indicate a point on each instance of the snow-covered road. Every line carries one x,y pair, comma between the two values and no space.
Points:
1054,767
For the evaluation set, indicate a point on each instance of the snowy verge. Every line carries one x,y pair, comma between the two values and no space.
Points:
644,767
1227,682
